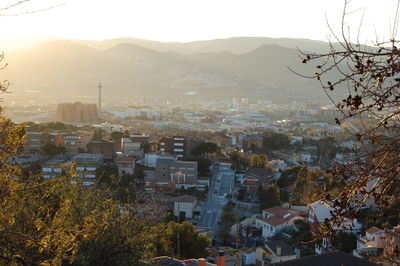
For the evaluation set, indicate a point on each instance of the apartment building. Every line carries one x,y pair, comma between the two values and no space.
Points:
176,145
104,147
86,166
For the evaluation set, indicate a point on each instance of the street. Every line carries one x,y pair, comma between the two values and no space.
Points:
222,182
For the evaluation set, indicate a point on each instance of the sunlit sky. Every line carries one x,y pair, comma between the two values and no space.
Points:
189,20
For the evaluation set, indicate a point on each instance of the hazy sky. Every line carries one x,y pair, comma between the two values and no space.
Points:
188,20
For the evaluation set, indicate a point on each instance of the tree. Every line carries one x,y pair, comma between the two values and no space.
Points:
228,218
117,136
259,161
345,241
192,243
205,149
276,141
51,149
97,135
269,196
369,78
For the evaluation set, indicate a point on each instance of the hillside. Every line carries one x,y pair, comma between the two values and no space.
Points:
129,70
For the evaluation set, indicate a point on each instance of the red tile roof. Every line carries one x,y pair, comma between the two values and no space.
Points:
373,230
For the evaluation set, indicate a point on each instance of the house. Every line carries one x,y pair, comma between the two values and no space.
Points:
126,165
278,165
265,175
69,140
273,252
86,166
276,219
186,206
322,210
251,183
370,243
248,255
335,258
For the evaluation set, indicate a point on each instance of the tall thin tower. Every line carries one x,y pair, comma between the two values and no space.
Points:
99,105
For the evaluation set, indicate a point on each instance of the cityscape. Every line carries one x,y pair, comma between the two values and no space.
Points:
229,151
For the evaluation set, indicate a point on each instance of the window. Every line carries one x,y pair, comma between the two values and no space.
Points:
178,144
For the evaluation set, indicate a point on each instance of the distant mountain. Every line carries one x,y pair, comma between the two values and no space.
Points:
71,70
237,45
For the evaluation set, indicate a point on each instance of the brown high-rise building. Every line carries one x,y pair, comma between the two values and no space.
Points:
176,145
77,112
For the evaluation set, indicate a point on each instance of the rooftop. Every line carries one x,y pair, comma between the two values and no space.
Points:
373,230
186,199
328,259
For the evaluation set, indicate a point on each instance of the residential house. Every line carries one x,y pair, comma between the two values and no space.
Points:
322,210
370,244
186,206
248,255
276,219
273,252
126,165
251,183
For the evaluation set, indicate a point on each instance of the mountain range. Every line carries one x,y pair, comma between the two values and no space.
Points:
255,68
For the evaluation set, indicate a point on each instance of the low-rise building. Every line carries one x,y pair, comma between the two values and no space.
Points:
126,165
185,206
276,219
370,244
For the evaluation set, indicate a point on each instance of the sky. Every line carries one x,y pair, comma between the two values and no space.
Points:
189,20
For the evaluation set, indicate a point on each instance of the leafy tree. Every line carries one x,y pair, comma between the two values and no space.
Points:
203,164
241,193
192,243
206,148
51,149
228,218
97,135
288,176
117,136
276,141
259,161
269,196
345,241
